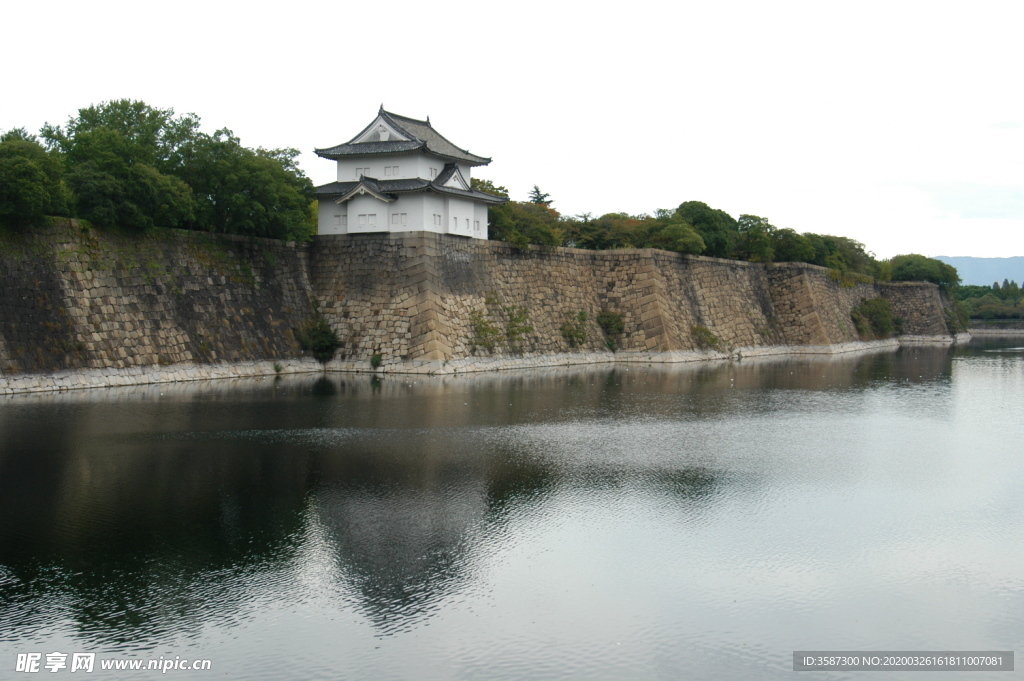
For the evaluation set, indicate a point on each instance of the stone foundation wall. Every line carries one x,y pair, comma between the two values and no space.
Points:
76,299
425,297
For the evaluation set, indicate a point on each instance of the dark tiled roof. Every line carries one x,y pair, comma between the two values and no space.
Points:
369,148
392,187
422,134
446,173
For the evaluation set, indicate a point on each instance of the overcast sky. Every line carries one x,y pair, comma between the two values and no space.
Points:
900,125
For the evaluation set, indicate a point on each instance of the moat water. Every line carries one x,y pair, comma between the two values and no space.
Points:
688,522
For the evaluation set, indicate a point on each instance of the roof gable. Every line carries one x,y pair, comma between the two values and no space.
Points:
390,133
451,176
366,185
380,131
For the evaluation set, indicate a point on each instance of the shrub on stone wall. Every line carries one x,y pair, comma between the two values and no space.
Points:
318,338
612,325
517,327
485,334
574,329
704,338
874,319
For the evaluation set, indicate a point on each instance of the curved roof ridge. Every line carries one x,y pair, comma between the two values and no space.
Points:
420,134
431,135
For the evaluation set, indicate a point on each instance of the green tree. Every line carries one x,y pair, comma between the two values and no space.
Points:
679,237
136,166
488,187
146,134
18,135
789,246
539,197
914,267
716,227
755,242
115,152
244,191
30,182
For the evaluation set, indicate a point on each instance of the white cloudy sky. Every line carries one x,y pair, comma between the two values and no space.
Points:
898,124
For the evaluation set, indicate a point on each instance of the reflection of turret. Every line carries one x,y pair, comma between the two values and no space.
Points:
405,511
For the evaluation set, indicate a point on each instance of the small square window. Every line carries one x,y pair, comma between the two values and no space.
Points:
371,218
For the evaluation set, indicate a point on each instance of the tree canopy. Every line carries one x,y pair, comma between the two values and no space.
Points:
30,181
696,228
124,163
914,267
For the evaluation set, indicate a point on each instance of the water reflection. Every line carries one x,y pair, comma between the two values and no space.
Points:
131,516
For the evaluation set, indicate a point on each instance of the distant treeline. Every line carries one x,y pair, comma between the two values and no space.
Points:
699,229
999,301
126,164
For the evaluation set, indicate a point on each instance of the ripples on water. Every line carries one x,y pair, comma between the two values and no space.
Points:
628,523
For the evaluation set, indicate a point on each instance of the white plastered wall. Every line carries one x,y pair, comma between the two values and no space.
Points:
412,206
367,205
409,166
480,217
330,217
459,216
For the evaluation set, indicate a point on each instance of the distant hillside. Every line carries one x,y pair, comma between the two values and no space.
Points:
985,271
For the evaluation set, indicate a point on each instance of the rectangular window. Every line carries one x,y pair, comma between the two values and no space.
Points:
437,219
337,221
387,171
362,219
394,171
371,218
455,224
476,225
467,224
398,218
344,221
433,173
362,171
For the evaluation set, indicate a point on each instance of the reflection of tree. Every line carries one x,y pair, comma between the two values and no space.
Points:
135,541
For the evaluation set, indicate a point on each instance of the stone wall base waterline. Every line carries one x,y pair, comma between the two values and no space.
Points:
110,378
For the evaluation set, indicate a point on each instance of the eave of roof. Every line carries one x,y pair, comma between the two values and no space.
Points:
407,186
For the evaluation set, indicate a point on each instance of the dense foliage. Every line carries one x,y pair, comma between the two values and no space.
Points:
698,229
30,181
999,301
919,268
124,163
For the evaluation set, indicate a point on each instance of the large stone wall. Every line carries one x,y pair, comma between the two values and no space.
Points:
73,298
426,297
78,300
